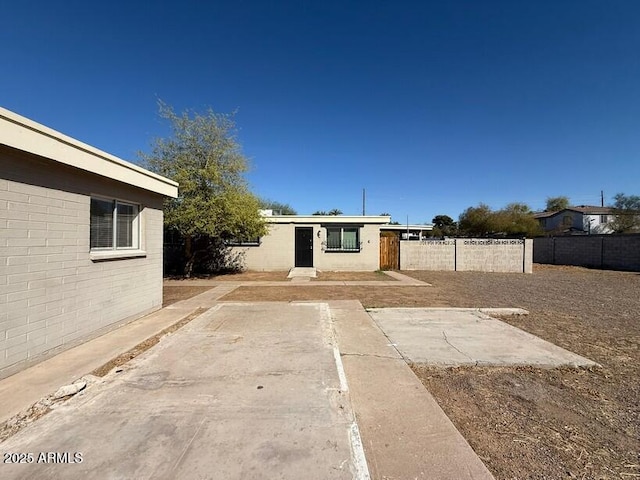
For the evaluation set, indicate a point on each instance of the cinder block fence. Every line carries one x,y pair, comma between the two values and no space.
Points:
470,254
614,252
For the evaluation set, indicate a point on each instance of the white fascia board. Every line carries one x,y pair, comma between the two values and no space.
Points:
23,134
318,219
411,227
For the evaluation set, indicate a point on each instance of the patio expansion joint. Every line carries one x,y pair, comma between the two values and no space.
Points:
370,355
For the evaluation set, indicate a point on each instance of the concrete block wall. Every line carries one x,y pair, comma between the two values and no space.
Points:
428,255
275,252
482,255
616,252
52,295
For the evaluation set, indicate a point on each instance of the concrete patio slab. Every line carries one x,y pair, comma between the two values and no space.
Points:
243,391
449,337
405,433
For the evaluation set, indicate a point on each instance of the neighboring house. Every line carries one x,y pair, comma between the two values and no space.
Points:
408,232
80,241
583,219
326,242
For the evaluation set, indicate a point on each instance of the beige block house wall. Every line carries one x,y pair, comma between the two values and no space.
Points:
276,251
54,292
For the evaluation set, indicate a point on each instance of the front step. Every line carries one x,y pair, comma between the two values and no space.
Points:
297,272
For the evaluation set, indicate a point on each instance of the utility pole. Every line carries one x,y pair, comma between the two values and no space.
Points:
602,198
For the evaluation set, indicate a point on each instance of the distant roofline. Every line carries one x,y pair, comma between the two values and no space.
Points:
349,219
24,134
584,209
410,227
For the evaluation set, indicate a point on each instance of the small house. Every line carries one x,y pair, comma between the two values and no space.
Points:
80,241
325,242
583,219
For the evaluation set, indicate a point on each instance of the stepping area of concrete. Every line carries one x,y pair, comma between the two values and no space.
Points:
302,272
459,336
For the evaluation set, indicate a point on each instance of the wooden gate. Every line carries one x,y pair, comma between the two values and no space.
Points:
389,253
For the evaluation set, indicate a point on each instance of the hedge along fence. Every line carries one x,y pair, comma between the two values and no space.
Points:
607,251
468,254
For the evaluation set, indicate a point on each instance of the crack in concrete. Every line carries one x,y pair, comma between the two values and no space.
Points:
444,335
391,342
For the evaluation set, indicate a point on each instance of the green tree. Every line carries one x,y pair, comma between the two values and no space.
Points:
556,203
443,226
334,211
214,204
477,221
516,219
277,207
626,218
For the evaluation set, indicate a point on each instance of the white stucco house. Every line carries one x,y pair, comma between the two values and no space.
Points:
326,242
581,219
80,241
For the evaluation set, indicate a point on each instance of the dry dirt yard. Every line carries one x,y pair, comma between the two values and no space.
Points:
528,422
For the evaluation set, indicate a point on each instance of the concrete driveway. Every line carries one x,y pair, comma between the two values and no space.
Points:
244,391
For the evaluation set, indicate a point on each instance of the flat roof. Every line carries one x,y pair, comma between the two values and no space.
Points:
349,219
410,227
23,134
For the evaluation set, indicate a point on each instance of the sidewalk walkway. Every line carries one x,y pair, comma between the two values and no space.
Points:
400,280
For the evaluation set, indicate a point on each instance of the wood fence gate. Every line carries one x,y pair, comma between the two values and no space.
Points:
389,253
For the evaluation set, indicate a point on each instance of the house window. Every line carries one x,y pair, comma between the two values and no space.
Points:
114,225
567,220
604,218
343,239
244,242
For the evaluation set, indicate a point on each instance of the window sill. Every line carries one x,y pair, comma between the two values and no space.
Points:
342,251
103,255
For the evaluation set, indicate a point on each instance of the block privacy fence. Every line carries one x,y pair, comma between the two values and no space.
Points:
468,254
615,252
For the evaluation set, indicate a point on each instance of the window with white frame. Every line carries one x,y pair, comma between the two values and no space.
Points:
343,239
115,225
604,218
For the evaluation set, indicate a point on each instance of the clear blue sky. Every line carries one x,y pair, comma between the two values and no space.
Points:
432,106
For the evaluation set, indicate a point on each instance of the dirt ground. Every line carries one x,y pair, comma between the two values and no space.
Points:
528,422
247,276
175,293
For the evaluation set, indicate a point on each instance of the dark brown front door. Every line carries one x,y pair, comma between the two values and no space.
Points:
304,247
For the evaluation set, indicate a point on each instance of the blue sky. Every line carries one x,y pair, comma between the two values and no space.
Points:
431,106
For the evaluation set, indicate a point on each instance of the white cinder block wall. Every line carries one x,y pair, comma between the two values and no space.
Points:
472,254
52,295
